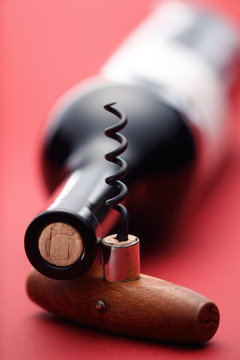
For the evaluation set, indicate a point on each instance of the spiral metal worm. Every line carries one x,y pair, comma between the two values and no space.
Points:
114,180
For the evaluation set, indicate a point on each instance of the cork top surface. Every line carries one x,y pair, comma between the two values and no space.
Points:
111,240
60,244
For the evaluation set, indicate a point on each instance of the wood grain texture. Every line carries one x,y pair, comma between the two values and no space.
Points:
148,307
60,244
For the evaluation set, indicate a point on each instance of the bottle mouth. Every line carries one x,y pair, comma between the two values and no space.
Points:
60,244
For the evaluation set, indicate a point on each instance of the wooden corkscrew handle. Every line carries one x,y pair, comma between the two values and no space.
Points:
148,307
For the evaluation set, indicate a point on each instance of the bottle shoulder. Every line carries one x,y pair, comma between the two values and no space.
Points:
154,128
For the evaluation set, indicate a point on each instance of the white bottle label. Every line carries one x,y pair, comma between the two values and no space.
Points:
162,55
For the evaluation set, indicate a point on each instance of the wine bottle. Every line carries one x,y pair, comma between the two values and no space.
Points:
171,77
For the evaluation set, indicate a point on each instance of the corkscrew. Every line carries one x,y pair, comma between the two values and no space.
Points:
121,251
114,180
116,297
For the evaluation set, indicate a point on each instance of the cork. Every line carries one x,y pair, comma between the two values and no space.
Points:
60,244
121,259
112,240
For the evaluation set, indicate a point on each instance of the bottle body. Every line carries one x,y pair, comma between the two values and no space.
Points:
158,77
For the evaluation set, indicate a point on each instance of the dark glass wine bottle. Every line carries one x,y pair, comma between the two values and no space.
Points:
173,88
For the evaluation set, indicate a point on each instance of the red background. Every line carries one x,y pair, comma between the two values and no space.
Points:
46,47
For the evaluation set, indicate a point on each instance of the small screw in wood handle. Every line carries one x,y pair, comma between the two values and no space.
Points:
147,307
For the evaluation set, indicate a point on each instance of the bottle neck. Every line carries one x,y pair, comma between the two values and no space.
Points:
84,192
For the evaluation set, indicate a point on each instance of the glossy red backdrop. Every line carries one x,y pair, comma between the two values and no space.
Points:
46,47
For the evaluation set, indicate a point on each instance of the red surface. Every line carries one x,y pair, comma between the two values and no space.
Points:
46,47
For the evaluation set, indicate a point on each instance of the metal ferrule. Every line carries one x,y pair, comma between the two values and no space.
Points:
121,259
